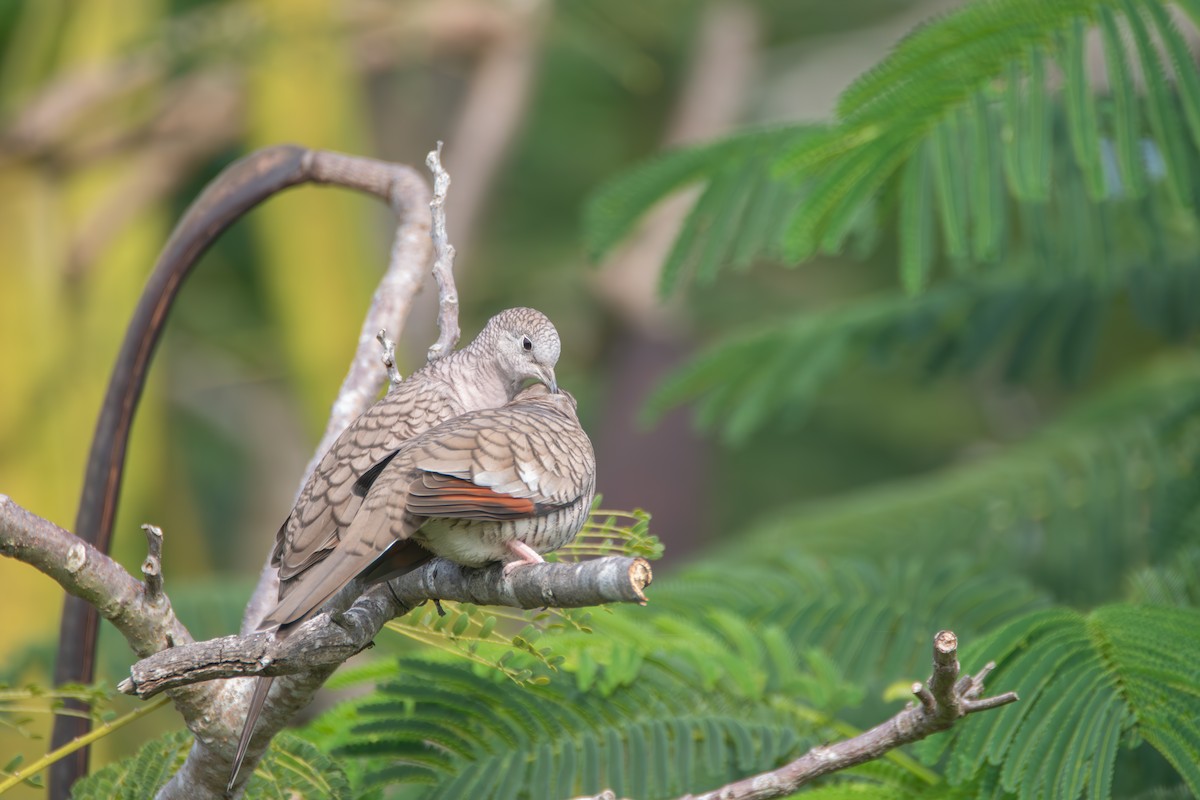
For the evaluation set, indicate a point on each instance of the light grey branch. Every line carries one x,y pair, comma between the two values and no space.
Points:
388,356
91,575
616,579
945,701
328,640
407,193
141,612
443,265
206,770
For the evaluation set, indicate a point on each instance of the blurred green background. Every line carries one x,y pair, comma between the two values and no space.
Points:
114,114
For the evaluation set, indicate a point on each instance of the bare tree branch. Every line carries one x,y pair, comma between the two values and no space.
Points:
175,664
946,700
237,189
408,195
329,639
139,611
147,622
443,265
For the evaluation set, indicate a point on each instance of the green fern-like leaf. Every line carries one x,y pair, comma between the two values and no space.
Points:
16,704
1174,583
612,212
139,776
858,615
292,768
962,128
1114,482
1086,682
739,217
935,74
754,378
469,738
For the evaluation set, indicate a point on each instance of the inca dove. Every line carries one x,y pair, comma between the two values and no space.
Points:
515,346
499,484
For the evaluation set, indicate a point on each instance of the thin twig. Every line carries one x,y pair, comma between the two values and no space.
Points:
152,566
943,701
389,357
105,728
443,265
408,194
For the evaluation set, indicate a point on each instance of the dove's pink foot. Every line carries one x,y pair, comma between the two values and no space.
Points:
525,555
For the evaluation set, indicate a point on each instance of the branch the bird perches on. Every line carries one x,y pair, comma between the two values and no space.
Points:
330,639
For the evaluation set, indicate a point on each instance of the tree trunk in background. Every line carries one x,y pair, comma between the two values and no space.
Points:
666,469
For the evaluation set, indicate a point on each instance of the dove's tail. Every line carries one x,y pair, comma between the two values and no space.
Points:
399,559
257,700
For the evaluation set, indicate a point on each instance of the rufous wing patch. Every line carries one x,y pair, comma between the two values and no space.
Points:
437,495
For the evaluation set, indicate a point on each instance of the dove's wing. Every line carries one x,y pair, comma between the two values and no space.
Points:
522,459
333,494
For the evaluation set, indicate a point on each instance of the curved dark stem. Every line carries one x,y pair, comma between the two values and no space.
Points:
240,187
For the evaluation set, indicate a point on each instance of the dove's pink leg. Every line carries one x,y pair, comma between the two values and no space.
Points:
525,555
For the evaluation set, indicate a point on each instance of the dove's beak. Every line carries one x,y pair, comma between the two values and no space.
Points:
549,379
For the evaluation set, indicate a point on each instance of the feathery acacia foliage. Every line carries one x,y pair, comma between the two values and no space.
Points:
1018,319
654,738
963,131
1120,673
1113,483
291,768
671,698
1031,201
982,140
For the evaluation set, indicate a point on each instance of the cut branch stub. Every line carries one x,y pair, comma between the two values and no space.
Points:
152,566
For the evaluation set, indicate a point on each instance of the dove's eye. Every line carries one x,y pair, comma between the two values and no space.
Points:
526,343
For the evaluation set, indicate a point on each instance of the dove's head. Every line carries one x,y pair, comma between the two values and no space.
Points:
526,346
